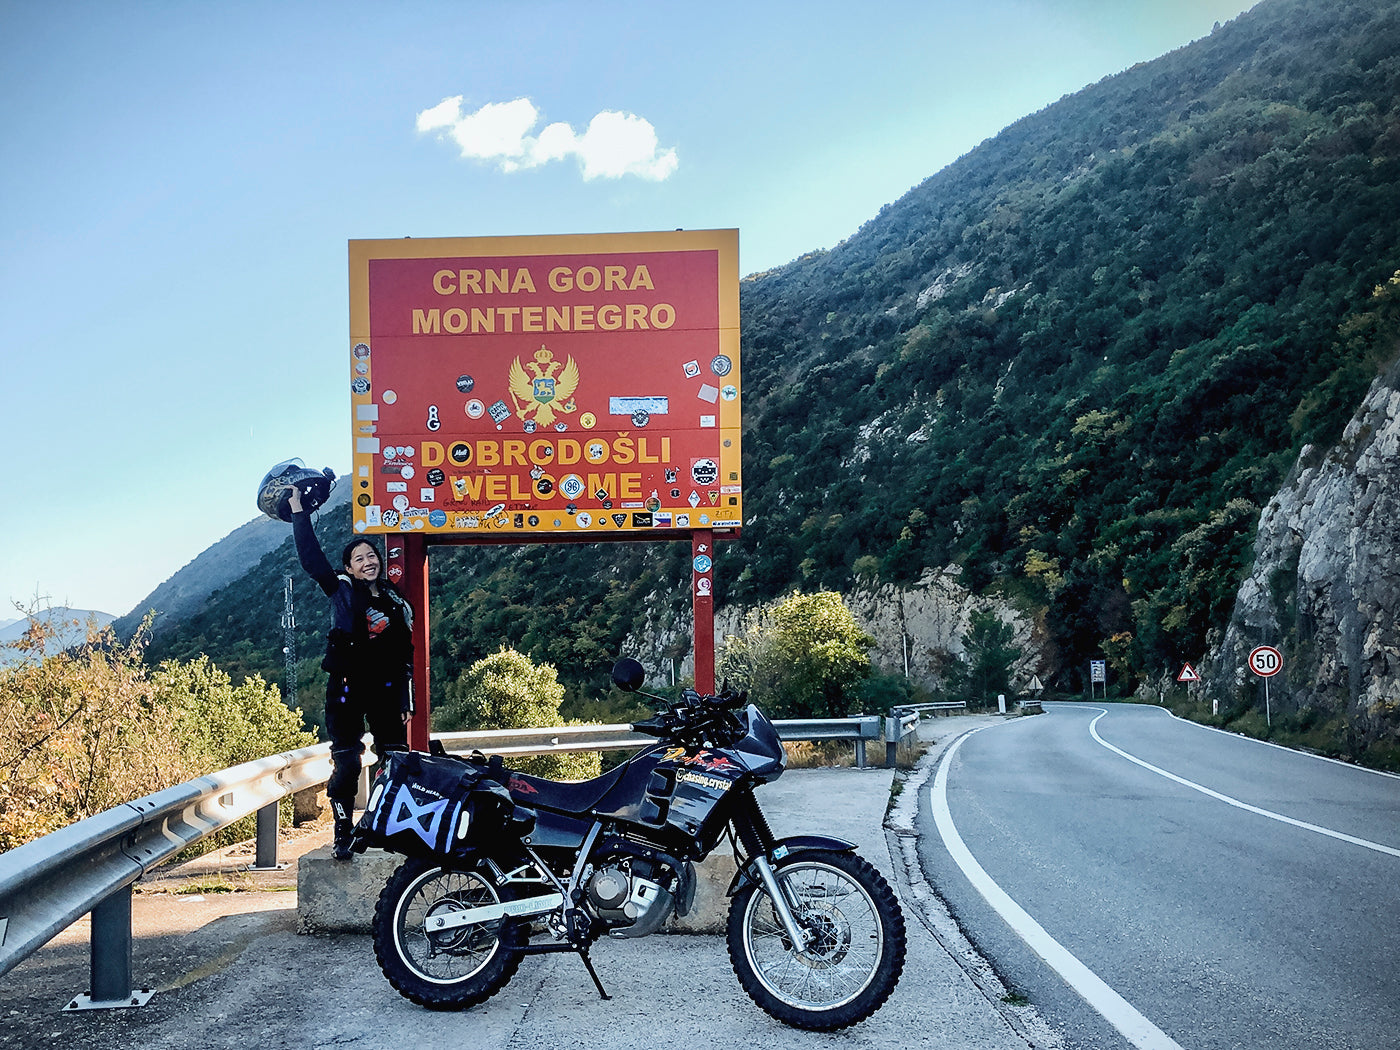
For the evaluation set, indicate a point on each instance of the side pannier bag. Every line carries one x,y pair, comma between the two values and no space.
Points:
424,805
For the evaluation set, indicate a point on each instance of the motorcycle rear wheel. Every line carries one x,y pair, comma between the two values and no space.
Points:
451,969
854,961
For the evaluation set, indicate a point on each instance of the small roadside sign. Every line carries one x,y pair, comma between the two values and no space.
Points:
1188,674
1265,661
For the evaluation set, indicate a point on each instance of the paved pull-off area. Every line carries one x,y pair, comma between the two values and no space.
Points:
230,969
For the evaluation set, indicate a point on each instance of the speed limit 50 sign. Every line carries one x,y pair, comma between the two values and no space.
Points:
1265,661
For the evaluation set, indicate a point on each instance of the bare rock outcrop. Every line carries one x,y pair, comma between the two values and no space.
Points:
1325,588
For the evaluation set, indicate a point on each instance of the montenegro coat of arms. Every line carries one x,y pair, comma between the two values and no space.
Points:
546,390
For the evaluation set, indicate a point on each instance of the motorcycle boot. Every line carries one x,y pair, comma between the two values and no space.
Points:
344,829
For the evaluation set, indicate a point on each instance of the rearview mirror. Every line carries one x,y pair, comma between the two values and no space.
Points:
628,675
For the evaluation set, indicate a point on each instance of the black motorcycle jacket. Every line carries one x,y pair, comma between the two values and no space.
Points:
369,636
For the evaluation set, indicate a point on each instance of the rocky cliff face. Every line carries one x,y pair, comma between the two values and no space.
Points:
918,631
1325,589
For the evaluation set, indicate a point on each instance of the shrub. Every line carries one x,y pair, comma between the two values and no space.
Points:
507,690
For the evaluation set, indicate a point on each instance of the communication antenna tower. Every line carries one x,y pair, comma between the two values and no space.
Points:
289,638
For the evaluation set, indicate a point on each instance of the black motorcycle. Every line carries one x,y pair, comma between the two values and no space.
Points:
498,858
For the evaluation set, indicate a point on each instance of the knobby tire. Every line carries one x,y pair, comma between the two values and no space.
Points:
453,969
852,966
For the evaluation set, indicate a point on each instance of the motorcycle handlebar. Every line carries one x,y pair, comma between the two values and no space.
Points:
721,700
693,711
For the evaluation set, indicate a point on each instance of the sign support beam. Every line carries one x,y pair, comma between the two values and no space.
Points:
415,579
702,549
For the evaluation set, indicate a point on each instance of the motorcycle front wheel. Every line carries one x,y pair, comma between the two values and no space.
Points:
450,969
855,954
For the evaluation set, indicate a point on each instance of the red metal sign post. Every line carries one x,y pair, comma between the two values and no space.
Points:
702,549
416,590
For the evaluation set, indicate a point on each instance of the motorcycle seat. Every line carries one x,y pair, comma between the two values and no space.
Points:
564,796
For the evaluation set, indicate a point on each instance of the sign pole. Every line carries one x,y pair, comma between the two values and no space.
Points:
415,578
702,550
1266,661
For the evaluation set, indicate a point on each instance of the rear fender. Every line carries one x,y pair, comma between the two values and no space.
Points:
784,848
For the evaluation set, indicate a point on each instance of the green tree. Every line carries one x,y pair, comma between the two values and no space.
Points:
508,690
990,656
220,724
801,656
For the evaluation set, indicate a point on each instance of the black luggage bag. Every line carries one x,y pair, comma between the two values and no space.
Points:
438,806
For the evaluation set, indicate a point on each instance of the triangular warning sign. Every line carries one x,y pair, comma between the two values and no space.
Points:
1188,674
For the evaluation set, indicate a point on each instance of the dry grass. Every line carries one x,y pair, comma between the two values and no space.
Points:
819,754
823,754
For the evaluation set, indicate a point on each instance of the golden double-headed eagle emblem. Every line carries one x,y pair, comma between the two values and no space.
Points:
541,390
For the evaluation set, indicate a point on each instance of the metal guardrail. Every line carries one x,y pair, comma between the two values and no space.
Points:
942,707
902,722
48,884
858,729
90,866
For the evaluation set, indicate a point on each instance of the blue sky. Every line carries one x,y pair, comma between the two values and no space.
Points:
181,179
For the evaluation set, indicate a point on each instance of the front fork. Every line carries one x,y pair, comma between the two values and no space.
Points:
799,937
757,839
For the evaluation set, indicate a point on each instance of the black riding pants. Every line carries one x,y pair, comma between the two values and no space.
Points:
350,704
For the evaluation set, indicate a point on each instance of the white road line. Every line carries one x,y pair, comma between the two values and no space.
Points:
1378,847
1120,1013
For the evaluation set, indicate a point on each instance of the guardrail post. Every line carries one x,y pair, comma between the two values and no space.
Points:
268,819
111,947
110,957
860,753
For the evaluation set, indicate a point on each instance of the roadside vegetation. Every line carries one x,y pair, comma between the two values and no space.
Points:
1333,735
94,726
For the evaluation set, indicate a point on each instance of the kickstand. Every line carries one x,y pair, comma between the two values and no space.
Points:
588,965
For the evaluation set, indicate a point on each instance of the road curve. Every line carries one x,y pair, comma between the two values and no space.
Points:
1220,891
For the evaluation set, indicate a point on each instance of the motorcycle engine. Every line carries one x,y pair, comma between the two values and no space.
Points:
627,897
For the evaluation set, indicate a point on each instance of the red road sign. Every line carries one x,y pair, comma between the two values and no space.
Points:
1265,661
1188,674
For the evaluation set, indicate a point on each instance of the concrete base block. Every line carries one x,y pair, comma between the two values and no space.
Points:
308,804
710,912
338,896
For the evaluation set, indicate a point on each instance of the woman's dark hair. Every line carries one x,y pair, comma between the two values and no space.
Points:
357,541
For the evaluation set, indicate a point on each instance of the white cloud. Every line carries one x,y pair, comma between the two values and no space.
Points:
443,115
614,144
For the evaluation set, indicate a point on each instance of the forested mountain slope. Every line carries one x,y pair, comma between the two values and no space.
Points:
1079,360
1074,365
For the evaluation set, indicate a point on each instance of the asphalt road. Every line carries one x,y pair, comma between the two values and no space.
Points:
1148,882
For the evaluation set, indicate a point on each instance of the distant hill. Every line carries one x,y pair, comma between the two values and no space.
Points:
185,593
71,629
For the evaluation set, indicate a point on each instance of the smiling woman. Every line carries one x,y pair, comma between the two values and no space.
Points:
369,656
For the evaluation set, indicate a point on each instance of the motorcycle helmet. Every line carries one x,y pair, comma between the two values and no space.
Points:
274,491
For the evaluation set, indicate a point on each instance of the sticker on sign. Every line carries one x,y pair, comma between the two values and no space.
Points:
1265,661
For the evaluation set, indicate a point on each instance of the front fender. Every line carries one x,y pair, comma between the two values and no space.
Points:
784,848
